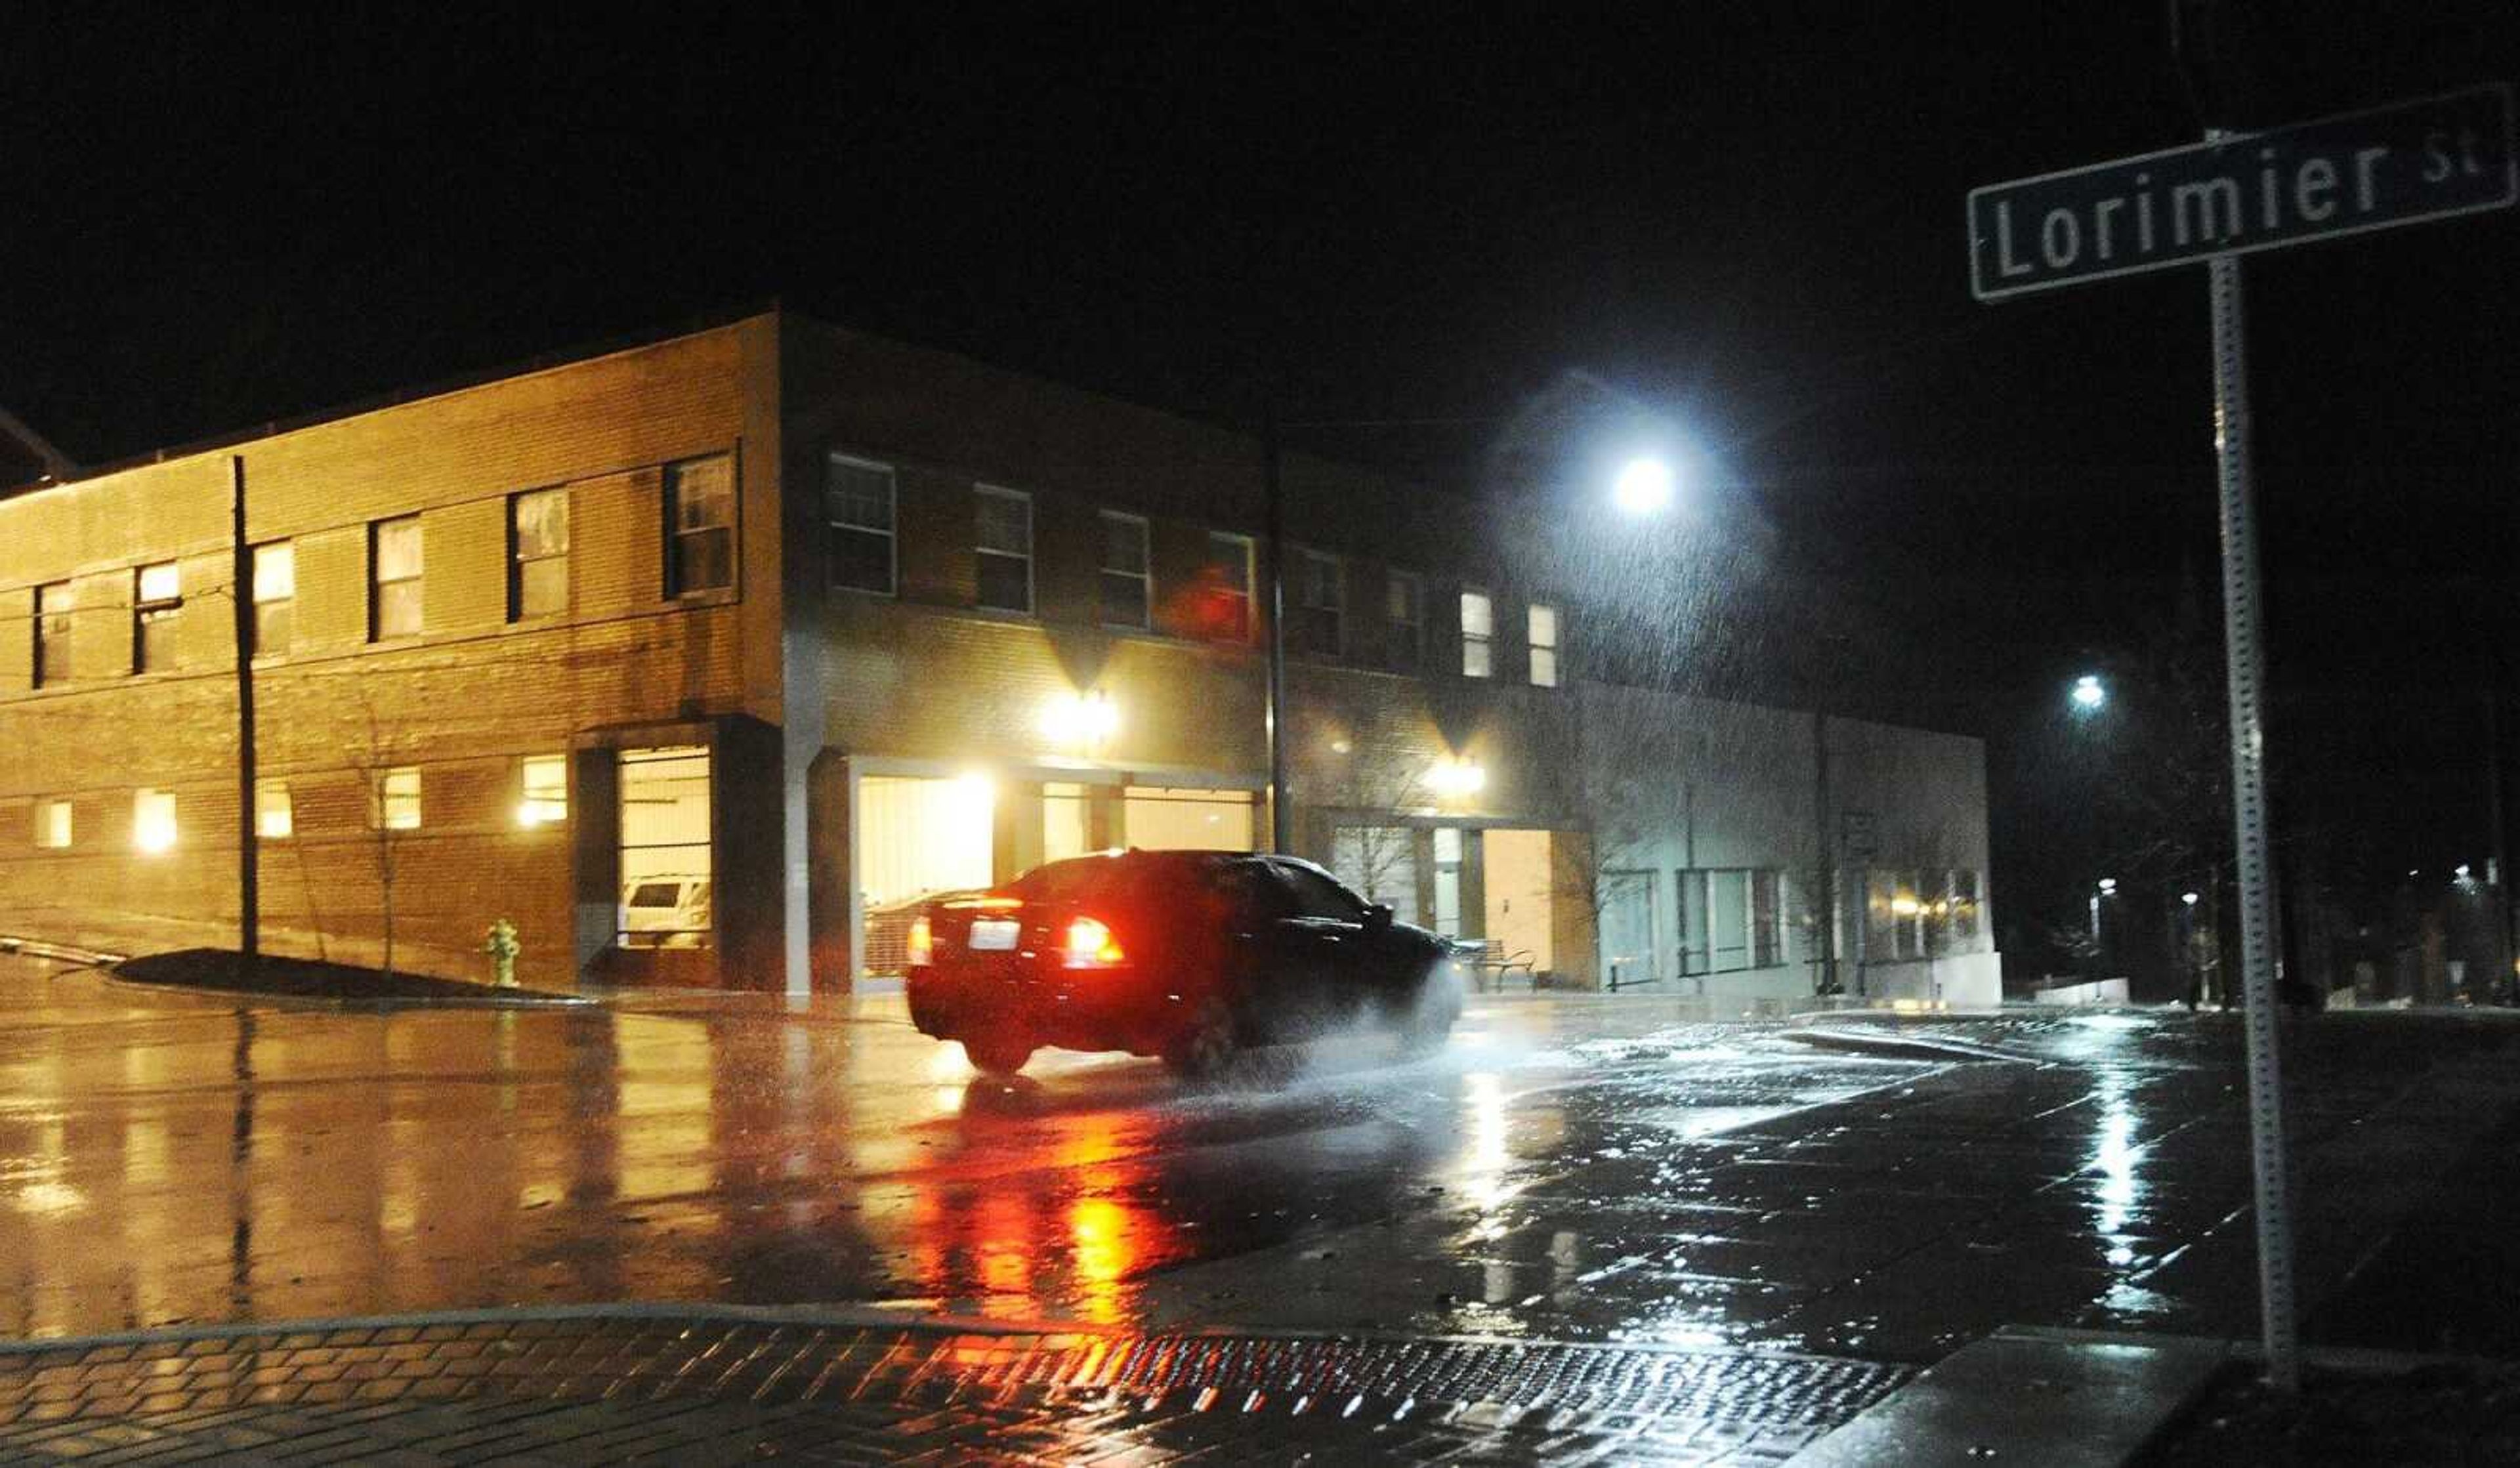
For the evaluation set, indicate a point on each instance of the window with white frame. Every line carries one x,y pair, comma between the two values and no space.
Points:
393,578
1730,918
395,803
859,499
275,598
542,797
53,610
1003,520
1226,609
156,604
275,817
699,523
537,553
1405,615
1320,604
1128,587
1544,645
1478,632
53,823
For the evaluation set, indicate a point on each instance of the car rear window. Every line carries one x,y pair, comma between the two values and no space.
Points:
1106,880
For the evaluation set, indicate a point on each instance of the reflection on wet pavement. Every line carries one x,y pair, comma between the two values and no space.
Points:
1578,1169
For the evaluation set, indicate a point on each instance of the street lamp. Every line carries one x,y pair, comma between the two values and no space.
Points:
2089,694
1645,487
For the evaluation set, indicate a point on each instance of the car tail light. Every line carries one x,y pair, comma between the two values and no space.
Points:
923,942
1090,944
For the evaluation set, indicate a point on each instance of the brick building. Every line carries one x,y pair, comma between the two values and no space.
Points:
698,658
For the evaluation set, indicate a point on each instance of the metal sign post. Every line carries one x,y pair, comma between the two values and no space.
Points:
2234,192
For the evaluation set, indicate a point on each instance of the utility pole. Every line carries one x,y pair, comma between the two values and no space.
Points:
1273,554
248,856
2500,989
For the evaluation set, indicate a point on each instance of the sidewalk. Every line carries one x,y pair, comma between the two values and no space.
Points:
695,1385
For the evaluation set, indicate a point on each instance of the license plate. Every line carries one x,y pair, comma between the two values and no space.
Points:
991,935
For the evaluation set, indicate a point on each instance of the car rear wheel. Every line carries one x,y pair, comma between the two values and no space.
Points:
1205,1048
997,1054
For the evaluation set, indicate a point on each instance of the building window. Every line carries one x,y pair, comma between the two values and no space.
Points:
274,818
542,790
1226,603
1448,881
1002,518
537,553
666,897
52,825
53,614
393,804
1128,584
153,820
858,505
393,578
156,602
1155,817
1321,603
699,521
1966,900
1404,604
1766,917
275,596
1544,646
1478,629
1731,919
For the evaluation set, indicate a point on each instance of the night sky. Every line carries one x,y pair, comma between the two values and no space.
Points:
1746,215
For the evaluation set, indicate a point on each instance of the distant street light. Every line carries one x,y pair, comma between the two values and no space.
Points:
2189,898
2089,694
1645,487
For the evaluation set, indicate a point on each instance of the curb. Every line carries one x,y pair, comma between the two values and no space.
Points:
37,948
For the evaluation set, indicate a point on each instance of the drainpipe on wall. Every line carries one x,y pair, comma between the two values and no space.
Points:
248,856
1826,856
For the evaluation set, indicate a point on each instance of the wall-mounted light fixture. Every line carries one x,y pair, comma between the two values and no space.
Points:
1088,720
1452,777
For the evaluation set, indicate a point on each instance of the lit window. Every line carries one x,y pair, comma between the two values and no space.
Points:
1128,583
153,820
544,785
394,805
393,578
1321,604
1004,519
1544,646
1406,607
666,895
156,602
274,818
52,825
1479,627
275,595
699,518
1226,611
537,553
858,501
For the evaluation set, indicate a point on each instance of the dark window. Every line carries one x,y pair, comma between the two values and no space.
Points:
1226,607
699,516
1320,604
156,609
53,612
393,578
1002,518
1128,584
1406,636
537,553
275,598
1478,628
1317,896
858,501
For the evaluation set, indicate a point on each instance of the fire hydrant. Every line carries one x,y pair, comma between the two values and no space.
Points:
501,944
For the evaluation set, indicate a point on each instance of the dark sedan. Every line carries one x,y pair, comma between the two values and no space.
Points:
1191,956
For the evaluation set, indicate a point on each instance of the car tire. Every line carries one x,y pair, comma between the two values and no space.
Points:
998,1056
1206,1046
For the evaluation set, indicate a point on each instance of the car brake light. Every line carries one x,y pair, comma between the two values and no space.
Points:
1090,944
923,942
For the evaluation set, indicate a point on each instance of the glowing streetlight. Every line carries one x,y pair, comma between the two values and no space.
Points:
1645,487
2089,694
2189,898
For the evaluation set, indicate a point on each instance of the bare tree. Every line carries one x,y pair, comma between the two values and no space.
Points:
372,751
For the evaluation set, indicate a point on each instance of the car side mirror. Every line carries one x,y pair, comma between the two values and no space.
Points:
1378,916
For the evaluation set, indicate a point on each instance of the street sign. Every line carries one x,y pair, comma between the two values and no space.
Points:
2393,166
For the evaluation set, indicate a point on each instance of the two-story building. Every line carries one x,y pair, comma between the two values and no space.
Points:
698,659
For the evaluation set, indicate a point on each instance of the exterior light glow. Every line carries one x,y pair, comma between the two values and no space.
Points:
1645,487
2087,692
1087,719
2189,898
1454,776
2460,872
2108,886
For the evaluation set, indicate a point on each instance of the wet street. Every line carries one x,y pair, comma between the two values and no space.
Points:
1588,1167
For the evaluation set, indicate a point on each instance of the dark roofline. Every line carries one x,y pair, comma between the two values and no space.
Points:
583,351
